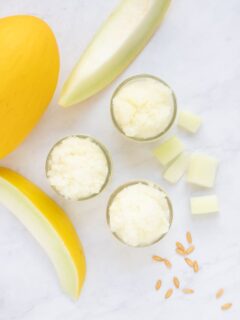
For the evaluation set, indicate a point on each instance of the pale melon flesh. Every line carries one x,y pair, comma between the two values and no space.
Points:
204,204
202,170
177,168
169,150
65,254
123,35
189,121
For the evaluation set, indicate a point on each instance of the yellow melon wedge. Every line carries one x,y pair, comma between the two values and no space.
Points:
123,35
49,225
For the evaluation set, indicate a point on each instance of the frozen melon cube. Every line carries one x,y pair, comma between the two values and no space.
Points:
204,204
202,170
177,169
169,150
189,121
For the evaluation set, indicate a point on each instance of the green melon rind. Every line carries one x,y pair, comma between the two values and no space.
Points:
113,48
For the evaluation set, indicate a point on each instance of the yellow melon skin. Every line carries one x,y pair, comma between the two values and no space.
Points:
49,225
29,68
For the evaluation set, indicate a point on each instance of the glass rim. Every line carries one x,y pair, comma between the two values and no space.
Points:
106,154
130,183
159,135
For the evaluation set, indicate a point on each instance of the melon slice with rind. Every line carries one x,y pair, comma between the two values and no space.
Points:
49,225
119,40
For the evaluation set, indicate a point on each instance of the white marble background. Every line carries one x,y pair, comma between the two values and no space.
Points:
197,51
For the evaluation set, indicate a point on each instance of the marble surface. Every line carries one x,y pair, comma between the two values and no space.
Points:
197,51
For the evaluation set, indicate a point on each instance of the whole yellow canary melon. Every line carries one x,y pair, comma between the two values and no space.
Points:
29,68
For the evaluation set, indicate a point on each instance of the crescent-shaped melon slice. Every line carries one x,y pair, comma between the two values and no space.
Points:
49,225
118,41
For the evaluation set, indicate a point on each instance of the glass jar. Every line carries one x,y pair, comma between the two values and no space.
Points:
106,154
122,187
160,134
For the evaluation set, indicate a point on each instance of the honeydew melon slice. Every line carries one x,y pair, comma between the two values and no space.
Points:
169,150
202,170
204,204
123,35
49,225
177,168
189,121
